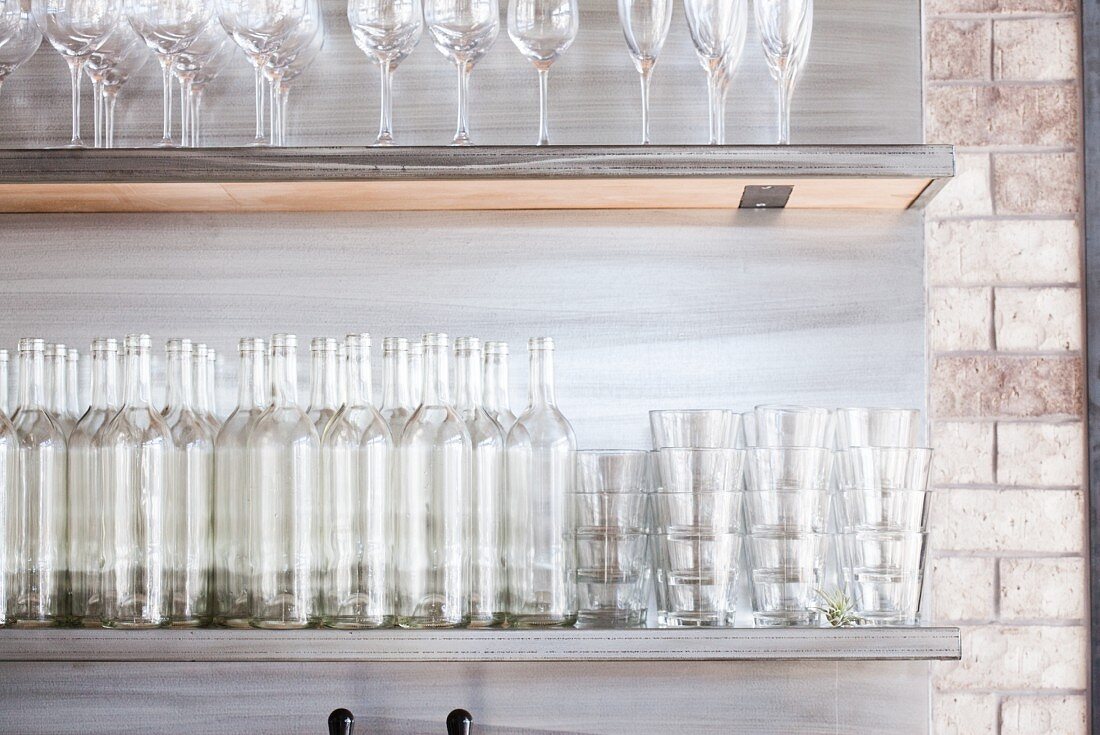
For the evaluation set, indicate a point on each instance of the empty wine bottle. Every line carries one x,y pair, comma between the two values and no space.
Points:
397,405
497,401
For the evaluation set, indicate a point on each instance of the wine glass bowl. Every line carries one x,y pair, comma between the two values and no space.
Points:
386,31
20,36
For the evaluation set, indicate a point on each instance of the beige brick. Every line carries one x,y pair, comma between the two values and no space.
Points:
1035,454
1016,114
962,589
969,193
958,49
960,318
1034,49
964,452
1031,657
1044,715
1038,319
1001,386
1036,183
1009,252
1043,589
1034,521
940,7
959,713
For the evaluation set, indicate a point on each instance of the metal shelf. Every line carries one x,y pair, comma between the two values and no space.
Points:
491,177
735,644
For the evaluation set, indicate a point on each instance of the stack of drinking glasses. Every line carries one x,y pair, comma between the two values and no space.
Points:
697,516
612,518
883,512
787,509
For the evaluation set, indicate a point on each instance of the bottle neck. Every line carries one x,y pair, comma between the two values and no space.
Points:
104,379
360,389
56,390
540,391
180,393
468,380
32,381
72,386
138,380
284,377
496,383
250,388
196,367
324,389
436,386
395,379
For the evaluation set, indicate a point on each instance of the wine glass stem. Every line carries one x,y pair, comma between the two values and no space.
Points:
544,90
385,123
258,64
166,120
785,89
271,98
462,132
196,115
97,112
76,70
284,99
110,95
712,94
645,74
185,123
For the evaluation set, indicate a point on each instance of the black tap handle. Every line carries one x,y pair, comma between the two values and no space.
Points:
341,722
460,722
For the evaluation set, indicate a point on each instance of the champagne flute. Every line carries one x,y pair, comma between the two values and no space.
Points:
117,50
717,30
186,67
120,73
463,31
168,29
311,27
20,36
290,72
645,25
76,28
785,27
542,30
386,31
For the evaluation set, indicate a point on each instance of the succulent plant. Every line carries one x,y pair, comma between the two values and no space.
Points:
838,609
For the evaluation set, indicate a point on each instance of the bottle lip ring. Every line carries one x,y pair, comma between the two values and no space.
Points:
540,343
104,344
324,344
283,339
32,344
435,339
251,344
496,348
395,343
467,344
180,345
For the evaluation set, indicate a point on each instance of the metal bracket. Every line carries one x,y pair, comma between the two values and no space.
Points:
765,197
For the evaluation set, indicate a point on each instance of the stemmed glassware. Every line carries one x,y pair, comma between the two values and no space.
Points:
386,31
210,44
112,64
717,30
259,27
785,27
542,30
76,28
289,61
20,36
463,31
169,29
645,25
205,73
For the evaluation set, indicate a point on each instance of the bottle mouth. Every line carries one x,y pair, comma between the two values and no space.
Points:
540,343
436,340
56,350
179,346
360,340
284,340
394,344
104,344
251,344
496,348
139,341
323,344
32,344
467,344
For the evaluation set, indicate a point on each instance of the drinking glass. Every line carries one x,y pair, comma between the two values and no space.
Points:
20,36
463,31
685,470
168,28
684,512
699,428
76,28
697,576
883,510
286,69
801,469
884,468
885,571
717,30
259,27
787,574
123,52
793,426
542,30
212,43
645,25
770,511
386,31
785,27
613,576
877,427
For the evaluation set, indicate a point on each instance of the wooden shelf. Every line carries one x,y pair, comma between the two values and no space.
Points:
736,644
501,178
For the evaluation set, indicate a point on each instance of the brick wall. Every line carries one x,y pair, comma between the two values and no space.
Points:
1006,392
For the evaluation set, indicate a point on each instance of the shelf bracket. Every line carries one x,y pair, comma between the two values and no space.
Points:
765,197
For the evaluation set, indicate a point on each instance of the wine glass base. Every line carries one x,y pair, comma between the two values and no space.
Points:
166,144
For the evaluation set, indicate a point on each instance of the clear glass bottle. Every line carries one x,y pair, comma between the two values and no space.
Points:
87,496
357,451
486,545
56,398
284,456
132,451
416,372
434,505
9,550
397,405
539,552
199,364
188,527
74,408
5,382
232,492
324,385
38,523
498,404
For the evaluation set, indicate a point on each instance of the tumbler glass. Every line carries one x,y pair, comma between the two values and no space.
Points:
771,511
613,576
700,428
688,512
697,578
788,573
700,470
793,426
877,427
883,468
802,469
884,570
883,510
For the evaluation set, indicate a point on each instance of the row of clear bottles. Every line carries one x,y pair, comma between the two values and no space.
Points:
430,511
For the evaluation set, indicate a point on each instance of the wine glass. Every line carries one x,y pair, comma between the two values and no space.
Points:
117,50
20,36
186,66
259,27
386,31
168,29
289,73
123,69
310,29
76,28
717,30
463,31
785,27
645,24
542,30
206,72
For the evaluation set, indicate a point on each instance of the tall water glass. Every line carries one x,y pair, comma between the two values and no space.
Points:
386,31
877,427
717,30
645,25
785,27
463,31
542,30
20,36
696,428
